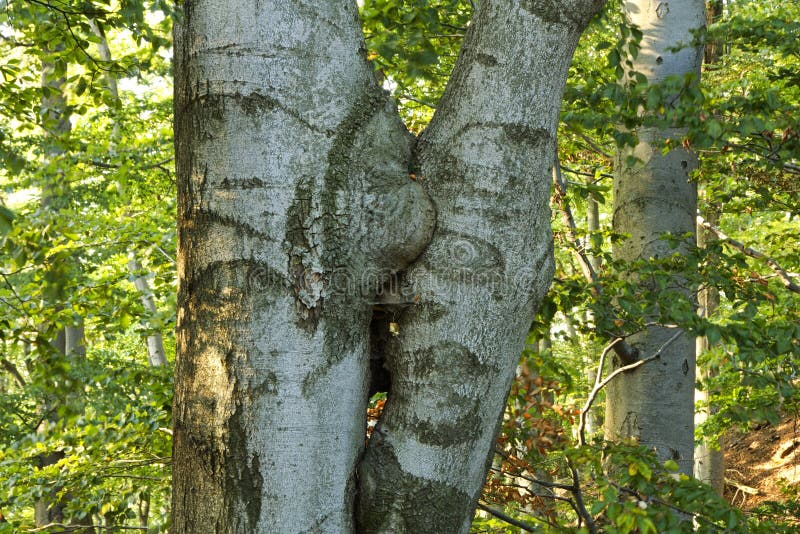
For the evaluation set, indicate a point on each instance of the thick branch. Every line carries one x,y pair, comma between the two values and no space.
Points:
753,253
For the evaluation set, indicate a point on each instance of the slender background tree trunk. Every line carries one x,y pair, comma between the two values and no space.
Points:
709,461
655,402
155,343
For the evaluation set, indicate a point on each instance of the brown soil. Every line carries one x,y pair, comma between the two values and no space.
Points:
762,461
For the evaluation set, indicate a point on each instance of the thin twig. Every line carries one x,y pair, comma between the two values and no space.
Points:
72,528
417,100
753,253
587,174
594,146
583,512
561,197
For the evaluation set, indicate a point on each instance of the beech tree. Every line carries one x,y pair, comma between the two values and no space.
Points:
654,195
303,203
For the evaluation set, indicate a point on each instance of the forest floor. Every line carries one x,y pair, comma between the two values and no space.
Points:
763,464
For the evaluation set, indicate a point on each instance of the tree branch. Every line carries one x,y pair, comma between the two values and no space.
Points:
13,371
753,253
583,512
600,384
508,519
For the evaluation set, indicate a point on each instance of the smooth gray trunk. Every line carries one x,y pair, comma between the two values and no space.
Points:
486,160
296,206
655,402
709,461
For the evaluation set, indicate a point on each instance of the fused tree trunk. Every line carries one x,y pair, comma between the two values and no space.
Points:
155,343
301,194
653,196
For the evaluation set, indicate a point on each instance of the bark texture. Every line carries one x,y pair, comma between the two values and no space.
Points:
295,205
655,402
485,159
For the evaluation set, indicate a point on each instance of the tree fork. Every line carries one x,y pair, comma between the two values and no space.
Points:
296,206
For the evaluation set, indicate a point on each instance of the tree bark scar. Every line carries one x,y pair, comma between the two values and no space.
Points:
315,229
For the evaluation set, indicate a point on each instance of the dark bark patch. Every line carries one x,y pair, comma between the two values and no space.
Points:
244,481
439,372
302,241
525,135
392,500
207,219
487,60
242,276
576,14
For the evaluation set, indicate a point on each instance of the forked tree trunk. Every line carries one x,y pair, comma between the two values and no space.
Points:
296,205
655,402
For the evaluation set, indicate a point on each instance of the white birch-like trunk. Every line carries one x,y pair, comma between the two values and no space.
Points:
296,206
655,402
155,343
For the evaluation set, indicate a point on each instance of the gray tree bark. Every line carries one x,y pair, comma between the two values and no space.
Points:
655,402
296,207
709,461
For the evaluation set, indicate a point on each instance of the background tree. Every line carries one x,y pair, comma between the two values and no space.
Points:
655,195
